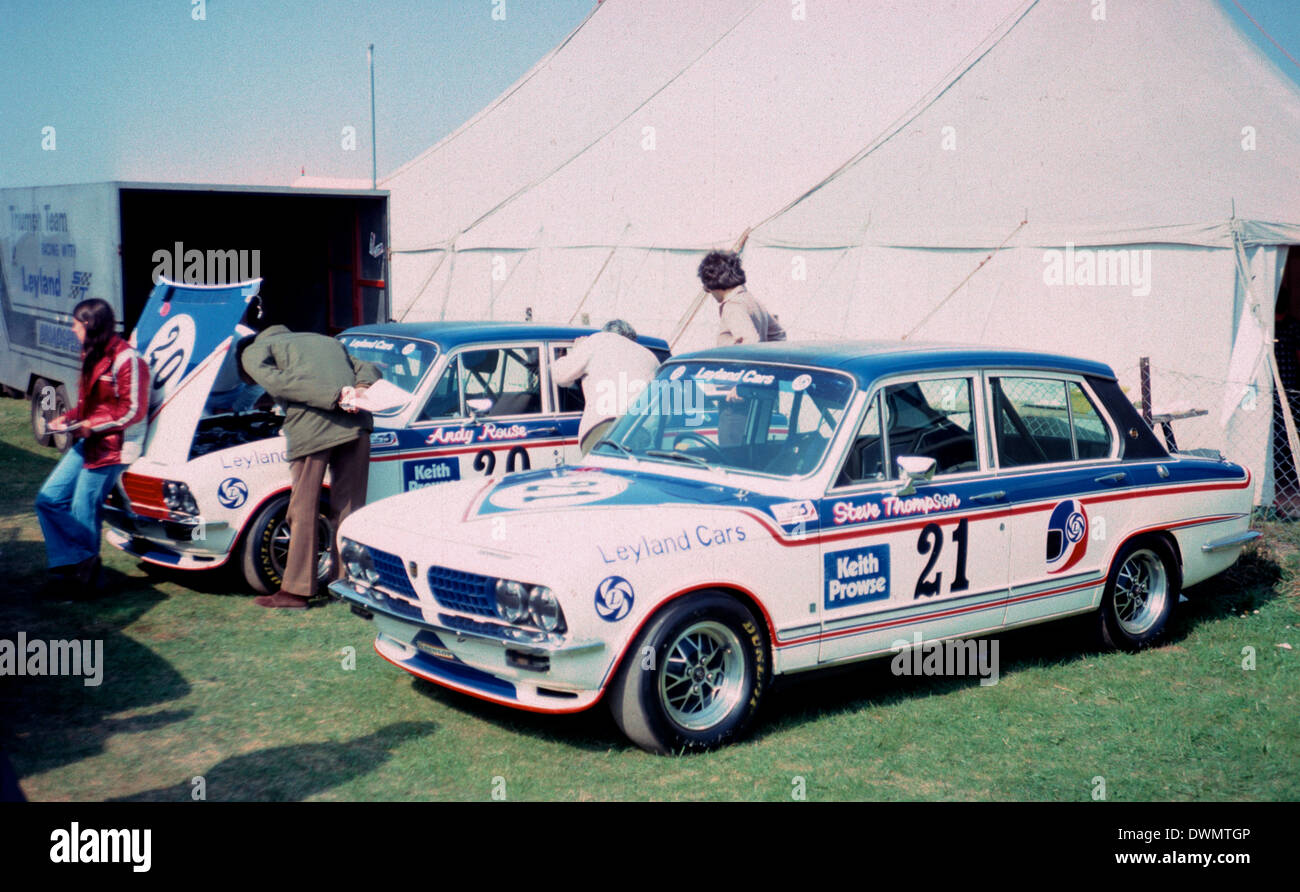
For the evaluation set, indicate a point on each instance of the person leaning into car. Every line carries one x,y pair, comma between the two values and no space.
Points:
313,378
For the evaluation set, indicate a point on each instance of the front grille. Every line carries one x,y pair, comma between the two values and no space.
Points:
465,592
397,605
392,575
465,624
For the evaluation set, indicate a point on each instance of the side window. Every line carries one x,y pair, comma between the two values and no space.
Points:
1041,420
502,380
445,401
932,419
571,398
866,461
1091,435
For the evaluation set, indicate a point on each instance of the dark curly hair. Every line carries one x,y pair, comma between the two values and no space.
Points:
721,271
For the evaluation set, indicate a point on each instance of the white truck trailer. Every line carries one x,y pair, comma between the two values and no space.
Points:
321,251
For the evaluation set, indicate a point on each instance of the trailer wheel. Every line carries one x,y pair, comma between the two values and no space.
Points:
266,546
49,401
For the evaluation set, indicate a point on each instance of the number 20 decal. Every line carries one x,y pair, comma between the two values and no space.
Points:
931,542
516,460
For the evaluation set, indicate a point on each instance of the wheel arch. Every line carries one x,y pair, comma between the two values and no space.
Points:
730,589
1153,534
238,541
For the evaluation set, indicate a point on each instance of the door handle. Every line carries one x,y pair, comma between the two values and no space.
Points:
995,496
1117,477
546,431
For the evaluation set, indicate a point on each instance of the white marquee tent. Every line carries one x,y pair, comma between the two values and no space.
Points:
1112,179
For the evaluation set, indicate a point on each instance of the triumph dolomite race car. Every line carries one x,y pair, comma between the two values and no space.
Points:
213,483
769,509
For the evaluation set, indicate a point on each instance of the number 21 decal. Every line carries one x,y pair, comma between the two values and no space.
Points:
931,542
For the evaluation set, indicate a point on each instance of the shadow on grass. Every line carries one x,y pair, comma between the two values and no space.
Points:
50,721
21,476
291,773
1252,582
808,697
592,729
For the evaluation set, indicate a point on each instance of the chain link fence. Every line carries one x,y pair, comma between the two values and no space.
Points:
1239,420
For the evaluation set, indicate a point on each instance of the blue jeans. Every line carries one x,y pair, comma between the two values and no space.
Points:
70,507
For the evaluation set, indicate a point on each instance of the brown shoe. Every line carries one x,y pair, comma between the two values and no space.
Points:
282,599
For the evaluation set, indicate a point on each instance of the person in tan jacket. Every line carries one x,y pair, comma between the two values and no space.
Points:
312,377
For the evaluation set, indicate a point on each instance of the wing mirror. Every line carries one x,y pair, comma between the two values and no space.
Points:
913,469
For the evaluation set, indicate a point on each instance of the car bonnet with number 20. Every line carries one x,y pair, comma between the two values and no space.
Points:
776,508
214,481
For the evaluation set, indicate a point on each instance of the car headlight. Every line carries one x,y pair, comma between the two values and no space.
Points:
358,562
544,608
512,601
177,497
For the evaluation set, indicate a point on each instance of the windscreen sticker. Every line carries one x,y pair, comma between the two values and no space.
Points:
373,344
856,575
735,376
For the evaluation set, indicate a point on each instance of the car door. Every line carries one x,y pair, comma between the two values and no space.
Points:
929,559
488,413
1055,451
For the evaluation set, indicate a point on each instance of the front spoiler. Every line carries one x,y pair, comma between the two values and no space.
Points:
477,664
168,543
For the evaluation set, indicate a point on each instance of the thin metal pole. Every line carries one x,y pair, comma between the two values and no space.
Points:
374,164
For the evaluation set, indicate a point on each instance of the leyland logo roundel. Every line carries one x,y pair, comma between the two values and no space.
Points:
232,492
614,598
1067,536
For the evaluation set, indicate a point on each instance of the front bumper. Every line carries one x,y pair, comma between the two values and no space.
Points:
538,672
169,543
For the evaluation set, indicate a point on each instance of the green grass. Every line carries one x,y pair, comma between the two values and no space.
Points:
199,682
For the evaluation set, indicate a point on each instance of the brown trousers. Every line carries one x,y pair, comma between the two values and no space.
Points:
349,467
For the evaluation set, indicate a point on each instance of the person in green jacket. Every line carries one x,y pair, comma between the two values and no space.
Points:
310,376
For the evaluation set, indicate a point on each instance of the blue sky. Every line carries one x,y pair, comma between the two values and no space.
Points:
257,91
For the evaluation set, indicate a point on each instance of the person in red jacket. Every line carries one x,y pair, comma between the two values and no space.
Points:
110,422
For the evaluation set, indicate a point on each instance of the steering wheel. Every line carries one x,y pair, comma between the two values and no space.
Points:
714,450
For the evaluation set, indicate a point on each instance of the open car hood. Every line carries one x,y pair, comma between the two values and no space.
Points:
186,334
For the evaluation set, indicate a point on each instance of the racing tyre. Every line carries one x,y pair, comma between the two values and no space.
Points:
694,677
1140,594
49,401
266,547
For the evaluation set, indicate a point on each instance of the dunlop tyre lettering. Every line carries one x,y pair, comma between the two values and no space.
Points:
713,641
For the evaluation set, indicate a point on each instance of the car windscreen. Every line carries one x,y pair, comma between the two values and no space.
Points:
402,361
750,417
